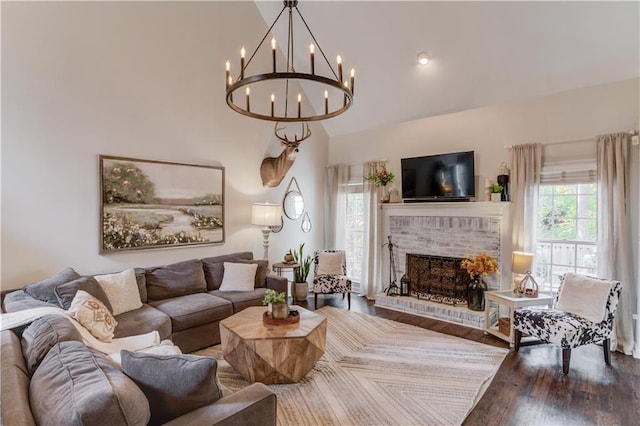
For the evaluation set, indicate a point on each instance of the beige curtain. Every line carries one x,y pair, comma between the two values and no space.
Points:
526,162
371,269
335,202
615,257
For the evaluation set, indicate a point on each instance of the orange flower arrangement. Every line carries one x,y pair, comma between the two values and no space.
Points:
482,264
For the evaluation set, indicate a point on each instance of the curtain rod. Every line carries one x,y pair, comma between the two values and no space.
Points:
630,133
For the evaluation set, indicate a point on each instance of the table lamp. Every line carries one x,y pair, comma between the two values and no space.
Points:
524,283
266,215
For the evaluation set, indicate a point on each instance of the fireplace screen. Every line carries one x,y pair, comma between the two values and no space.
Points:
437,278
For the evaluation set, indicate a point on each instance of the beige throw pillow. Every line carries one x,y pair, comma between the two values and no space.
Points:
121,290
584,296
93,315
330,263
238,276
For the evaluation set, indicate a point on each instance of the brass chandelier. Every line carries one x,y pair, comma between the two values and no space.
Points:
336,90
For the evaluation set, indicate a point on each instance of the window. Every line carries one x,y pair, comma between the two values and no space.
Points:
355,233
566,240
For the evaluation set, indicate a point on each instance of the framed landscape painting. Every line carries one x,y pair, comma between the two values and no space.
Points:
148,204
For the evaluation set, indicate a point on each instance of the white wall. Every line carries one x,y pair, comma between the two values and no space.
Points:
574,115
133,79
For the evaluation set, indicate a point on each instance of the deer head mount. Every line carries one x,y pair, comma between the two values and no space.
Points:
274,169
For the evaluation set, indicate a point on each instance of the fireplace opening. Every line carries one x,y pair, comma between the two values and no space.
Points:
437,278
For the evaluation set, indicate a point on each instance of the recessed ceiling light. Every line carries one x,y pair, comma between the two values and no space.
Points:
423,58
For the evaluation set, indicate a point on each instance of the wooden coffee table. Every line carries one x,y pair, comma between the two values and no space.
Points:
273,353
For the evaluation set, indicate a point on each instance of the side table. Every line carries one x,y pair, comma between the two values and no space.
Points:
513,302
278,268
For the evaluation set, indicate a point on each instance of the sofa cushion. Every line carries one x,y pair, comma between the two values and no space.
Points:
261,272
18,300
238,277
76,385
121,290
14,377
193,310
177,279
242,299
214,269
141,280
45,290
43,334
173,384
93,316
142,321
66,292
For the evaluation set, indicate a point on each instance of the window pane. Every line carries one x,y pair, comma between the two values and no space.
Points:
586,230
586,256
565,189
545,190
564,229
564,254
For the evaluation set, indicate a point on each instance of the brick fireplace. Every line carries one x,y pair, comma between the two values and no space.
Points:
446,230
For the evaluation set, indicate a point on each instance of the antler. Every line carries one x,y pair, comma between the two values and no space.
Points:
306,133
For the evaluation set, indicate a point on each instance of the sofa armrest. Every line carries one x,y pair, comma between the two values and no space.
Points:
278,283
255,405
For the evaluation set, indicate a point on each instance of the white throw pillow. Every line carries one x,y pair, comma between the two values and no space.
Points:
238,277
330,263
121,290
584,296
93,315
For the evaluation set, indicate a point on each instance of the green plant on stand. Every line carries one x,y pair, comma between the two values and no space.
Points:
496,192
300,274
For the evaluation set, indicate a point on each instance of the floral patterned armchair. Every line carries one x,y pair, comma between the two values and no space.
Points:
330,274
569,330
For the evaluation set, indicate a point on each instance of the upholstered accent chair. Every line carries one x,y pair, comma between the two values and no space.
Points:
330,274
583,313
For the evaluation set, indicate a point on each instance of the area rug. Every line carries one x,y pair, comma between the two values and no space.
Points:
381,372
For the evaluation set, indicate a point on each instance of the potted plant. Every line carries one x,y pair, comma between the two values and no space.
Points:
277,303
300,274
496,192
382,178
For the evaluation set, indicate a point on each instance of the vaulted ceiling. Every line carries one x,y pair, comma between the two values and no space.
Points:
483,53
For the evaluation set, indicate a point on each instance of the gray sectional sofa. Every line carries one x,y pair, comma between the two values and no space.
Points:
183,302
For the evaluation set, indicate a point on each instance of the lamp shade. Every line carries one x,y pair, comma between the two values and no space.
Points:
521,262
265,214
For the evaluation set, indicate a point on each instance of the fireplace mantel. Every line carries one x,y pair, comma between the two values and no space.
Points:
486,216
459,209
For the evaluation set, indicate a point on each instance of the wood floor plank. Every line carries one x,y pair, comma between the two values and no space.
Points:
529,387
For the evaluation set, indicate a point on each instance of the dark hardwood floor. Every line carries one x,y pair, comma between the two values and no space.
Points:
529,387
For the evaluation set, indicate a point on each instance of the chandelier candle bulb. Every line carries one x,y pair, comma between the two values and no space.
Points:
228,75
248,106
313,62
273,53
242,53
273,100
353,75
326,102
299,104
339,60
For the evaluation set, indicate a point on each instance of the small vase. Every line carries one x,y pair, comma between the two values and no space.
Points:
496,197
288,257
475,294
280,311
385,196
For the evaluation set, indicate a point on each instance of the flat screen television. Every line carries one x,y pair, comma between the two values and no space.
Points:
443,177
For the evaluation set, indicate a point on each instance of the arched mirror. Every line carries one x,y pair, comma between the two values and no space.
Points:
306,223
293,202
